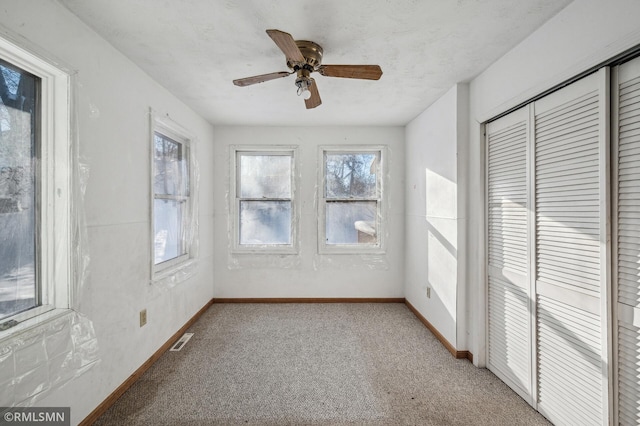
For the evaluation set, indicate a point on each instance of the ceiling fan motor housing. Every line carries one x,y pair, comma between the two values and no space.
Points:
312,53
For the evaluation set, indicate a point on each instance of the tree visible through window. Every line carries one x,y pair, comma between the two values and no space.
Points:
351,198
19,286
171,198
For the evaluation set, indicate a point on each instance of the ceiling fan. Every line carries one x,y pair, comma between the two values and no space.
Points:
303,58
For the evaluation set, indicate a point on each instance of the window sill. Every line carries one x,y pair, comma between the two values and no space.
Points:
32,323
169,271
265,250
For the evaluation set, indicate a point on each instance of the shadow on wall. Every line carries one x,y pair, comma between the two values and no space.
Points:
444,242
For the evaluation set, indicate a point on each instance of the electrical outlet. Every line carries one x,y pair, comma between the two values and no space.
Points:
143,317
428,292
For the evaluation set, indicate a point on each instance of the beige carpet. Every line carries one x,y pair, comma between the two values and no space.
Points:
316,364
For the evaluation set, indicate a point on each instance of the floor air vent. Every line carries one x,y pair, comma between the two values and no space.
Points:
181,342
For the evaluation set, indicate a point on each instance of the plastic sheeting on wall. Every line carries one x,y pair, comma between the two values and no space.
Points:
45,358
356,261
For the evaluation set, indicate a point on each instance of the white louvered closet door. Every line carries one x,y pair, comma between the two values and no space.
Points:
549,253
571,255
509,307
626,112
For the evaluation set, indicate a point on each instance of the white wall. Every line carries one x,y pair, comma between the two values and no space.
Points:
309,274
435,217
583,35
113,100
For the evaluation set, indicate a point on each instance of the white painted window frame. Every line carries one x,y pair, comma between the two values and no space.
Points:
236,151
171,130
55,193
360,248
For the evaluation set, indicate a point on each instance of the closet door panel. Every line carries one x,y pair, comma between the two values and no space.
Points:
549,250
570,228
569,364
509,318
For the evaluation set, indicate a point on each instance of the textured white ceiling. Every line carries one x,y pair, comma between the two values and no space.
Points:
195,48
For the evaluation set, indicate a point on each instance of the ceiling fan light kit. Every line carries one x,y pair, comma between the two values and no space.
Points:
303,83
303,58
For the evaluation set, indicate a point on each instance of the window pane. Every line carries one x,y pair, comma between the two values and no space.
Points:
171,176
18,216
352,222
265,222
168,230
351,175
265,176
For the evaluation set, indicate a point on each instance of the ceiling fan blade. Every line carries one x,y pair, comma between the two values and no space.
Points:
287,44
314,100
260,78
366,72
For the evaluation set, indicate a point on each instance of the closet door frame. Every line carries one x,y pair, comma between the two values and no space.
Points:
533,252
606,294
615,134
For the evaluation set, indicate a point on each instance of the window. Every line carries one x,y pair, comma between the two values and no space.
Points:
350,204
18,188
35,258
171,197
264,208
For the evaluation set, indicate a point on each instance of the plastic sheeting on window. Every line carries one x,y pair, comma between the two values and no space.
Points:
46,351
265,233
264,259
186,269
356,219
355,222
